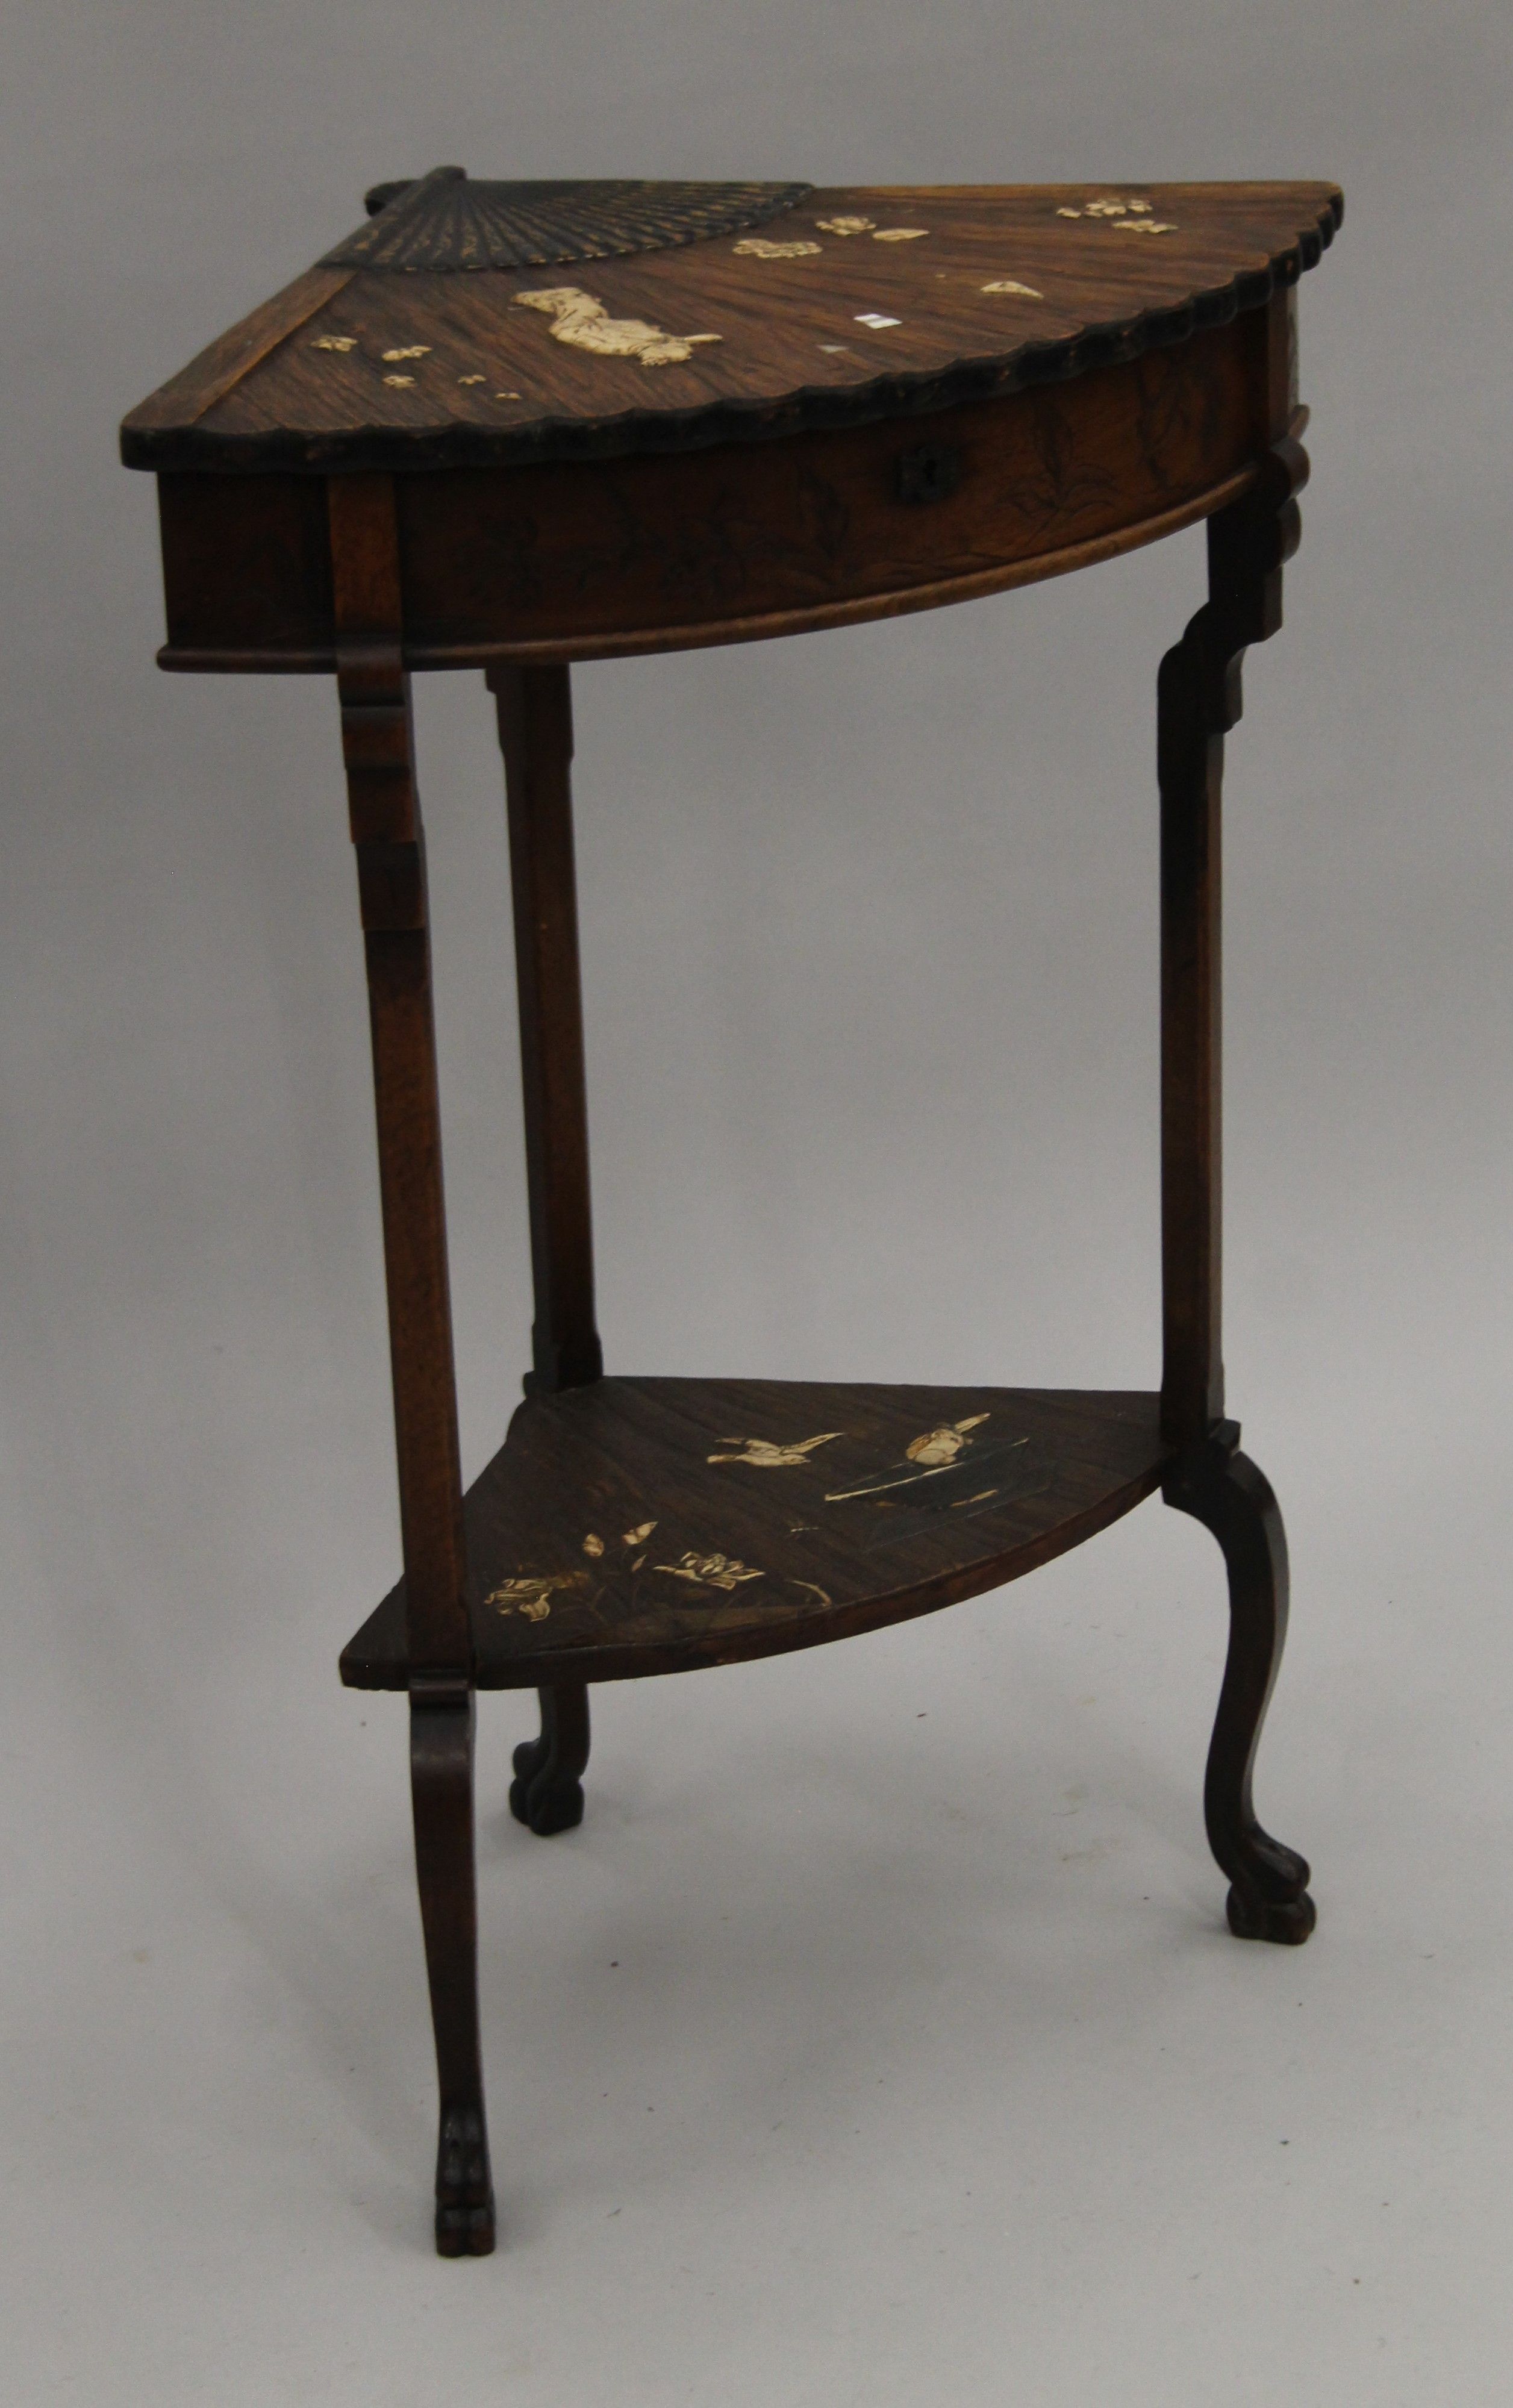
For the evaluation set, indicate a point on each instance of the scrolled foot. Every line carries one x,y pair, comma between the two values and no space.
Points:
547,1793
464,2195
543,1799
1285,1921
1221,1489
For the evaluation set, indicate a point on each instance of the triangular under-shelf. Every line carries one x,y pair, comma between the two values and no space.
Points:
654,1525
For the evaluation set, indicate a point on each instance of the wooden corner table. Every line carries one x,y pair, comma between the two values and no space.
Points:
513,426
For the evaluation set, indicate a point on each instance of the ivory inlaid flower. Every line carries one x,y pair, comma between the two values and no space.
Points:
844,226
711,1572
531,1593
333,343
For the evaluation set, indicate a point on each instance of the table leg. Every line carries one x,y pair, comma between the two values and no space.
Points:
378,746
1199,701
441,1718
547,1793
536,738
1268,1897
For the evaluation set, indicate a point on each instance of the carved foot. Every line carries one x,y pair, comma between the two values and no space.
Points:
464,2196
1289,1921
547,1793
1222,1489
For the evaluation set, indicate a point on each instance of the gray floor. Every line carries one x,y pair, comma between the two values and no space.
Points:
877,2039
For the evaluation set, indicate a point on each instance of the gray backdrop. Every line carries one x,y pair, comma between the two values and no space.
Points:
877,2038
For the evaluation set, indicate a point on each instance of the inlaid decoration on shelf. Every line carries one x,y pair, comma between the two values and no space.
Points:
446,220
774,1453
946,1471
531,1593
933,1451
712,1571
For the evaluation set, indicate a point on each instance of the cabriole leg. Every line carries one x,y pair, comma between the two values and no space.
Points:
1268,1897
547,1792
1199,702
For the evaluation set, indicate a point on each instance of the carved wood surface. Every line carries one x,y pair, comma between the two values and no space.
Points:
934,296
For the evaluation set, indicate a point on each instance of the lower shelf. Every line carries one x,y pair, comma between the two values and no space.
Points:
654,1525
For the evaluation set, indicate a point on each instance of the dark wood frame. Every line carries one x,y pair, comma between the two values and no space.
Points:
351,571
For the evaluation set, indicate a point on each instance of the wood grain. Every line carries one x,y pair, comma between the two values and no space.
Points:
583,1530
792,350
1198,701
535,736
378,746
575,561
1220,1487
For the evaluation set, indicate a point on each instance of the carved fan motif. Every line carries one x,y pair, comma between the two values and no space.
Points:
444,220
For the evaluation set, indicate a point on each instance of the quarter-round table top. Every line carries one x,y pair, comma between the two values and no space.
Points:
477,323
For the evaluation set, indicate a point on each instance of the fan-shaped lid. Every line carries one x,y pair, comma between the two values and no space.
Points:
491,323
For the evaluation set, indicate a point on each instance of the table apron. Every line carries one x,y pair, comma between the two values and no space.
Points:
589,559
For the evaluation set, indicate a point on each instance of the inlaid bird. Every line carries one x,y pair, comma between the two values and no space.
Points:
771,1454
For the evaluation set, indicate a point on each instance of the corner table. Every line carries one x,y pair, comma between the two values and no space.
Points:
509,426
